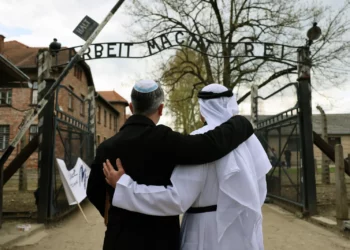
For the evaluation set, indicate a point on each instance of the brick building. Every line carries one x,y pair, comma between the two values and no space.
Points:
69,102
70,96
107,119
118,102
13,87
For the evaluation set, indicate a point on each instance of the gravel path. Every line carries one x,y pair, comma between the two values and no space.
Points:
282,231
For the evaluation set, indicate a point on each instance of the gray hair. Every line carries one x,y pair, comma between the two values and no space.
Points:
147,103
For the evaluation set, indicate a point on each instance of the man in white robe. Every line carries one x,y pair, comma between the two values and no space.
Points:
221,200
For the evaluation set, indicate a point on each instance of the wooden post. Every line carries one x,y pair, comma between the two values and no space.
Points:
340,187
22,184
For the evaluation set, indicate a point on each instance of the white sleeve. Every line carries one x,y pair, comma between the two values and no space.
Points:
187,183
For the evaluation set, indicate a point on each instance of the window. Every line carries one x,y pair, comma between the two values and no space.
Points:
78,72
82,106
4,136
35,93
115,123
5,96
70,98
99,114
334,140
98,140
105,116
110,121
33,131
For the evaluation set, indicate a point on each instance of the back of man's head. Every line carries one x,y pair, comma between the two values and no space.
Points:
146,97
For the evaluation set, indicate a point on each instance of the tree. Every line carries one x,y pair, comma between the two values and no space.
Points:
184,111
230,21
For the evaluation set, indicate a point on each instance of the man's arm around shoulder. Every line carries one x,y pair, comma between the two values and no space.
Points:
210,146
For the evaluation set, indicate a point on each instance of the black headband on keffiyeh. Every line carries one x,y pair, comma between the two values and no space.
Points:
212,95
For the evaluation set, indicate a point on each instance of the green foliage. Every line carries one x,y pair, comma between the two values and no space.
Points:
180,105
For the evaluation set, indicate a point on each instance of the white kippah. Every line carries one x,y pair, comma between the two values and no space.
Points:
146,86
215,88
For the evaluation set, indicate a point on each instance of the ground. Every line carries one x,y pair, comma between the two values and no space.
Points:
282,231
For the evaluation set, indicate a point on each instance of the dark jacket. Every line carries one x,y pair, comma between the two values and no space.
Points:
149,154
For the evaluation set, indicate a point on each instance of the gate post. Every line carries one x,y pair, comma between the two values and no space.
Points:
306,131
45,156
92,127
254,105
23,182
342,212
325,165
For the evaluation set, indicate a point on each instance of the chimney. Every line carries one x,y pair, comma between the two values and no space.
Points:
2,44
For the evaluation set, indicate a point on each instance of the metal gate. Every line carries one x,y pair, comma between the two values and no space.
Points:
73,139
282,136
70,133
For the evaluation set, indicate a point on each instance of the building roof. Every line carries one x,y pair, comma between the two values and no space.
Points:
108,104
338,124
113,97
15,73
24,56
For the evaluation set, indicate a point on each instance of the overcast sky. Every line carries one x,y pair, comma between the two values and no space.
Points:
37,22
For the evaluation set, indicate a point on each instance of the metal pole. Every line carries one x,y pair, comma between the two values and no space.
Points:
30,118
46,153
342,211
305,116
22,184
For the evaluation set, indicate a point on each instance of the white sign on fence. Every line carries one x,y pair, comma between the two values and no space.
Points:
74,181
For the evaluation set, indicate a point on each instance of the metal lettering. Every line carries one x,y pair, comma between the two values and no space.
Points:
177,38
165,41
152,44
268,47
120,49
128,45
249,48
87,54
110,48
98,50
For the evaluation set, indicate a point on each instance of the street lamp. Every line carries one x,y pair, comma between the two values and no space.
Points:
314,33
54,47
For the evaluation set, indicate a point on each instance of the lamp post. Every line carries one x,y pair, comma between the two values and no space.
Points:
305,121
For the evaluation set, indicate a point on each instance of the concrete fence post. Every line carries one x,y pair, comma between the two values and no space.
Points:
342,212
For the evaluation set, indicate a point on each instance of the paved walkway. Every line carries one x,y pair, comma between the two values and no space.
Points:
282,231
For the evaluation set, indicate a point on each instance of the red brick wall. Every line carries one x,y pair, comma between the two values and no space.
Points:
21,99
80,87
103,131
121,109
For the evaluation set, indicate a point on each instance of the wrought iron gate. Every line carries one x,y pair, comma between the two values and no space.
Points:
282,137
67,135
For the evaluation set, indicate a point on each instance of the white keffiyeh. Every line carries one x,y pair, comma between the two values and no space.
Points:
241,174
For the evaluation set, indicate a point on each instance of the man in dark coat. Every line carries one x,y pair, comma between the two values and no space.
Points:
149,154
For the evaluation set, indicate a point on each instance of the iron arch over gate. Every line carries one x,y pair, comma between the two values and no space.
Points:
293,127
275,52
89,29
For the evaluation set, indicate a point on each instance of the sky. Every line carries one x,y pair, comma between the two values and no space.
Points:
37,22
